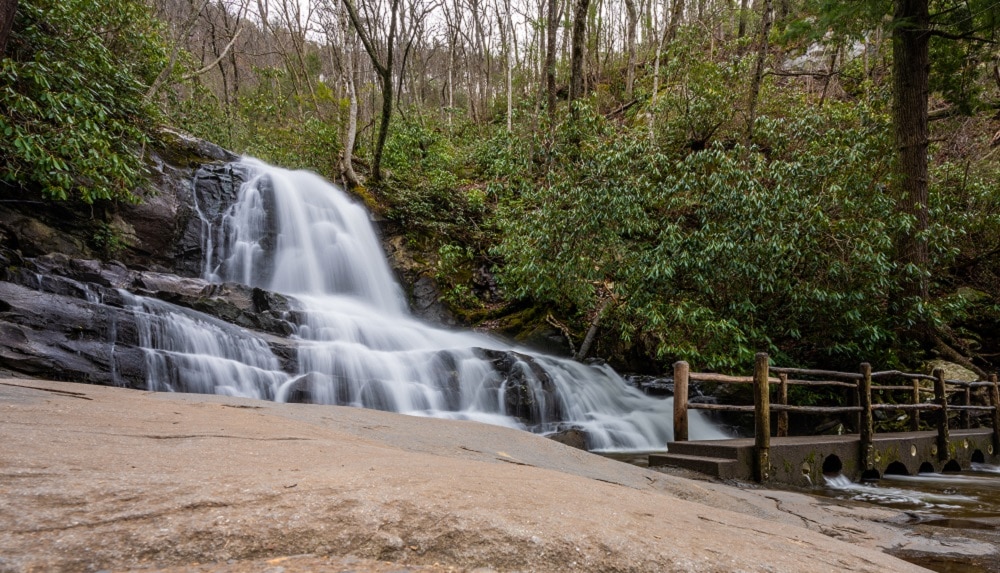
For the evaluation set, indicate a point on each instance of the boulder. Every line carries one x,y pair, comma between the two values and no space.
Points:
952,371
572,437
528,390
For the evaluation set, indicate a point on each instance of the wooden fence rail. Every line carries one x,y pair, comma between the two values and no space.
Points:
859,385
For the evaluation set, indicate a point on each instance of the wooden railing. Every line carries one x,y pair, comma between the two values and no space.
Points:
859,386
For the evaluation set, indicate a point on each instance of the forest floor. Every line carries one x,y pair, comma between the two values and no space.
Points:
95,478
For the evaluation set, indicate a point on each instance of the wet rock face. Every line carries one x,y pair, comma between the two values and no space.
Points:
68,318
426,302
53,326
528,391
169,227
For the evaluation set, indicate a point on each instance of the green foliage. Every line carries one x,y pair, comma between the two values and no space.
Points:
453,275
73,119
108,240
712,255
701,101
426,191
954,71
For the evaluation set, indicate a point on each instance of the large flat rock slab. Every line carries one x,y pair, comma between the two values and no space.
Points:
99,478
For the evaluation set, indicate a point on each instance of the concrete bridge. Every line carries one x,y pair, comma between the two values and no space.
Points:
802,460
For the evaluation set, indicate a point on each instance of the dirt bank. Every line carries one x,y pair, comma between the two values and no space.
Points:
96,478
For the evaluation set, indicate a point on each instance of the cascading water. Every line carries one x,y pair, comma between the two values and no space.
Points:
293,233
210,356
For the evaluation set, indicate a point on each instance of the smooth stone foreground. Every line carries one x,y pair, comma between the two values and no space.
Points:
97,478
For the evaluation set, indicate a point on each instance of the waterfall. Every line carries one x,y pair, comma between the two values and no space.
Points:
293,233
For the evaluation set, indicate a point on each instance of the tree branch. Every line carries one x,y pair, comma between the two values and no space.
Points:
365,40
216,61
966,36
174,53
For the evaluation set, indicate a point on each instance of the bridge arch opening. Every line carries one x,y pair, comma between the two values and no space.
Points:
952,466
978,457
896,469
926,468
870,475
832,465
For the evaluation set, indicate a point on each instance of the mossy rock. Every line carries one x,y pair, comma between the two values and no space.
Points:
952,371
368,199
178,148
528,326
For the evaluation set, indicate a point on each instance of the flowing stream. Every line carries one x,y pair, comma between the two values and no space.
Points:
963,505
293,233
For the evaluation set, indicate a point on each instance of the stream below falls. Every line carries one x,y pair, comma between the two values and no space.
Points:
961,504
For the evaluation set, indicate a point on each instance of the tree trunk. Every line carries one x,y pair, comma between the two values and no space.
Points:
384,71
595,324
656,81
744,8
509,43
550,55
910,73
350,136
784,9
576,87
7,10
383,127
633,20
758,75
676,15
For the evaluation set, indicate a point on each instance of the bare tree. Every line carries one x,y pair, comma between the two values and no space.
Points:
767,17
383,67
340,34
509,41
676,15
453,30
633,20
576,84
178,43
744,10
550,54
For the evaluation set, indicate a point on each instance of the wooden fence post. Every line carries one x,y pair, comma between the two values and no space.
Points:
964,416
854,399
995,400
866,430
762,419
915,416
681,371
783,400
941,396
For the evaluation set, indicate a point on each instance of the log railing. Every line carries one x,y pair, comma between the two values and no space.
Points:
859,386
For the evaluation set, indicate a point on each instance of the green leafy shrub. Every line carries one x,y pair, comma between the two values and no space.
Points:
426,190
712,255
72,113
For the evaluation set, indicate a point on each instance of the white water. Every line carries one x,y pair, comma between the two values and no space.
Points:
294,233
985,468
902,496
